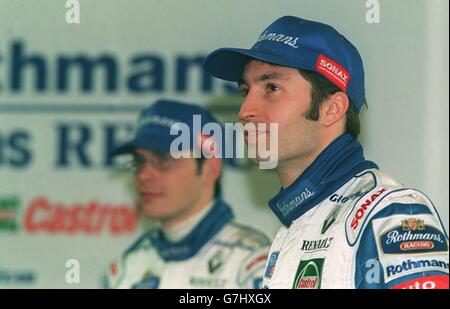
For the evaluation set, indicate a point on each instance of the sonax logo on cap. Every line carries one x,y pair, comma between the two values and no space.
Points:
333,71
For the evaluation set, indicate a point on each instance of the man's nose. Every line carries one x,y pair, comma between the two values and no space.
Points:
146,173
248,111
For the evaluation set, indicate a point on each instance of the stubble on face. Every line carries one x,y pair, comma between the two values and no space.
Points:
276,94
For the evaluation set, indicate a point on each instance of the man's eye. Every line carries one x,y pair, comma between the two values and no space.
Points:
244,91
130,165
138,161
272,87
166,160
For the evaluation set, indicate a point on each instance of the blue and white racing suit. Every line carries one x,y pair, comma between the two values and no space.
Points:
217,253
348,225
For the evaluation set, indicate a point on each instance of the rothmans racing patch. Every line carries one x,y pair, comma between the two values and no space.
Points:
408,244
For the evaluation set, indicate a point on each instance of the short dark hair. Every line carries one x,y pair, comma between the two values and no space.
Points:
321,89
217,184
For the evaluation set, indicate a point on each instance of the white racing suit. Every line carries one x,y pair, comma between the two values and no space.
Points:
218,253
348,225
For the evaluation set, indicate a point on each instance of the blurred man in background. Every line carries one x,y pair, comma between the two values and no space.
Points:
346,224
199,245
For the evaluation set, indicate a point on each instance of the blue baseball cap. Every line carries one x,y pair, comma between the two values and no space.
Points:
155,122
298,43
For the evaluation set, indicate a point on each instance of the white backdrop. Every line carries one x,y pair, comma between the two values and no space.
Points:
42,120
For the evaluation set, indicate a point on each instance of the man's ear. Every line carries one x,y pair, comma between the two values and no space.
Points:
334,109
211,170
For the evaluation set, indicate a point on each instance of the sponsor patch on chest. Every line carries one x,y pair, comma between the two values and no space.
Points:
316,245
271,265
149,281
309,274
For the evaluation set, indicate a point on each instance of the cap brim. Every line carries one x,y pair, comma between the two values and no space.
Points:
229,63
148,141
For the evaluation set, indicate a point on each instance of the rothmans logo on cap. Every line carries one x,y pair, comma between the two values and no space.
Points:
156,120
279,37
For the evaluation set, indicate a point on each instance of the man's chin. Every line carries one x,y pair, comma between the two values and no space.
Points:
254,160
150,210
153,216
259,160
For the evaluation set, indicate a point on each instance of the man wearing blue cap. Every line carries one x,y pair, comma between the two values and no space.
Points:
199,244
345,223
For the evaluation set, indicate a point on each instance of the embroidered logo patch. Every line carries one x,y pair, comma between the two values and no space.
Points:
330,219
413,236
271,265
333,71
309,274
149,281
